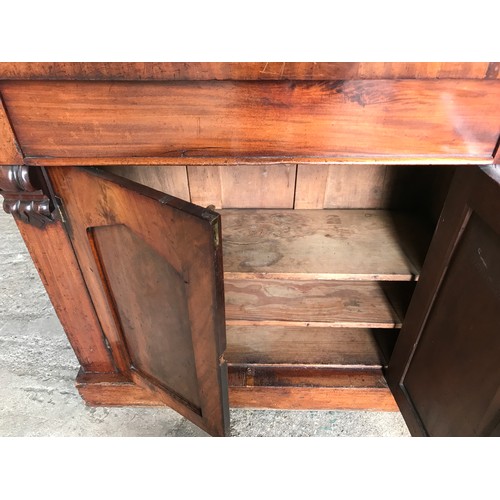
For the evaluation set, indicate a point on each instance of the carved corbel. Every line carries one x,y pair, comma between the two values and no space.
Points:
24,195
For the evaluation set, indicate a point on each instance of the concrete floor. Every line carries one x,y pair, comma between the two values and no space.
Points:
38,368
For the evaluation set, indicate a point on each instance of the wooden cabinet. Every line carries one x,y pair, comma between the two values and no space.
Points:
444,371
272,244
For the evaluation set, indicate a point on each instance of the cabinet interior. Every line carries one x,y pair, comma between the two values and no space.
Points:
320,263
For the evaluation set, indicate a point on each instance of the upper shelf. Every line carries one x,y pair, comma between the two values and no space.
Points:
247,71
323,244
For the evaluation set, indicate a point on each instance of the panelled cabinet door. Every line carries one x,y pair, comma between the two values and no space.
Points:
153,267
445,369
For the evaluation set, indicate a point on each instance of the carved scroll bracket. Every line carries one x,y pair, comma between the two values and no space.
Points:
24,195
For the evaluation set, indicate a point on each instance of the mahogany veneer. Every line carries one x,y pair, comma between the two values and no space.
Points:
290,206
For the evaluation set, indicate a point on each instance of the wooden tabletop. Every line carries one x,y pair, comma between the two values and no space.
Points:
247,70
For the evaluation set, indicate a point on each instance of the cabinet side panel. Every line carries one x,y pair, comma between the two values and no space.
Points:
57,265
10,152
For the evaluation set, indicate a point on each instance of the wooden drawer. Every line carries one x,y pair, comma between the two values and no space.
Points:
124,122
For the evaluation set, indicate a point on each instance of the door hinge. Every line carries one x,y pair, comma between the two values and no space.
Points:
213,217
26,194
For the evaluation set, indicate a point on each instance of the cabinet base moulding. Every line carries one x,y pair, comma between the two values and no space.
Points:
111,389
309,398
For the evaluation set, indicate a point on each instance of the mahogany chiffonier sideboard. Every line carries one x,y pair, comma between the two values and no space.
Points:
267,235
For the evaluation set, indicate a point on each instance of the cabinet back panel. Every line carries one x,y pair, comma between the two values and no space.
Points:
170,179
396,187
243,186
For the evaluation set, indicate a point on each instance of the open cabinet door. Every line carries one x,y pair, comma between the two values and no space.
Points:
445,369
153,266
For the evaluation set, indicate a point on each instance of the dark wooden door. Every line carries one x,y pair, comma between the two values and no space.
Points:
445,369
153,267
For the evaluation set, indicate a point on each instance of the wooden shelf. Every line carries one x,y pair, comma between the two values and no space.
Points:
311,296
327,244
304,346
260,375
313,303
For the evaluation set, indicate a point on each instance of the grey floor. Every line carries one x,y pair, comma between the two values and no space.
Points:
38,368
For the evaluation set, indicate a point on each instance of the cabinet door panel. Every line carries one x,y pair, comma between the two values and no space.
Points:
445,370
153,267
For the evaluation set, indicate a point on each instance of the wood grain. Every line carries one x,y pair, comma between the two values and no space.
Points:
450,118
310,189
368,189
53,256
101,390
240,70
171,179
148,161
306,345
249,186
295,375
129,265
185,237
312,398
367,113
323,244
395,187
10,152
422,70
496,153
468,301
310,303
205,186
367,186
444,369
493,70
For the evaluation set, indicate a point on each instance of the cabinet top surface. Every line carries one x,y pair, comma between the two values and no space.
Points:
248,70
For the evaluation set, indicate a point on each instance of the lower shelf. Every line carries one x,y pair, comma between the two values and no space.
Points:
309,387
316,303
244,375
309,345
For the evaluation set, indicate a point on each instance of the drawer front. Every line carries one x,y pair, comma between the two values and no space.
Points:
426,119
